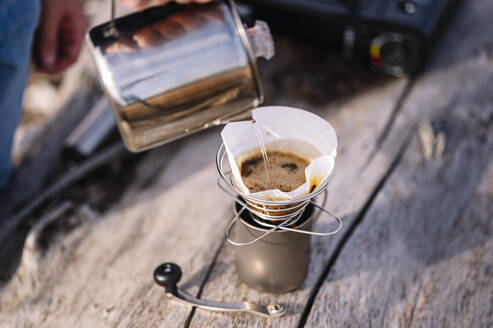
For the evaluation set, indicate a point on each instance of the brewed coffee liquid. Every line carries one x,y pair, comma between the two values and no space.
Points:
287,171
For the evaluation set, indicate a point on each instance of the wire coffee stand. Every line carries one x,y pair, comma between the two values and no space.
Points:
272,215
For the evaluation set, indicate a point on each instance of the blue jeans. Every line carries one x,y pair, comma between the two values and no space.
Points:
18,20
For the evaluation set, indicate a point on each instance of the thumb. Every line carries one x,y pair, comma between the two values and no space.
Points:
48,38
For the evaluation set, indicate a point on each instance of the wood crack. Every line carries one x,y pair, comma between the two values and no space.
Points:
347,234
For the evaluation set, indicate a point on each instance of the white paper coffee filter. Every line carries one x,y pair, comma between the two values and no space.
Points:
286,129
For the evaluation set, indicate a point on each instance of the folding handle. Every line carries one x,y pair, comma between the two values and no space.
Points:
168,275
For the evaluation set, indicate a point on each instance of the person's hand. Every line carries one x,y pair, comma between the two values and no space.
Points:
138,4
59,35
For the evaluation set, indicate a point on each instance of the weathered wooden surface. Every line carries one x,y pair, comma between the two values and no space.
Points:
107,264
415,203
422,255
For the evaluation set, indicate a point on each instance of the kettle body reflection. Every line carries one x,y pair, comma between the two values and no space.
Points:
173,70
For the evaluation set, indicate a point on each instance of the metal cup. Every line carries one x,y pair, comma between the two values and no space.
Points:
173,70
276,263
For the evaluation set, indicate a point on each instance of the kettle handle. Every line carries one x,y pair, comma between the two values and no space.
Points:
113,11
111,30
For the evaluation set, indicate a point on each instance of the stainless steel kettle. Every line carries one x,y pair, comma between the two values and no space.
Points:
173,70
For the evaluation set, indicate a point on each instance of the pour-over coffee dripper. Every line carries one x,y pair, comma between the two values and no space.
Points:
271,229
283,129
277,244
275,215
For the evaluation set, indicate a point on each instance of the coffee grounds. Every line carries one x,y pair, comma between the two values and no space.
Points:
287,171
